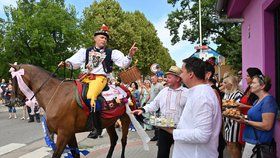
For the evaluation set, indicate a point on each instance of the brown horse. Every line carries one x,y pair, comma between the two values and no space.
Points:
64,117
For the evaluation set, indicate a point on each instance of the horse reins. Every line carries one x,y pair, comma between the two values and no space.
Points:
52,75
55,92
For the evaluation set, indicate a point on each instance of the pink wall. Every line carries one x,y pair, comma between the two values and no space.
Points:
258,50
236,7
252,55
258,43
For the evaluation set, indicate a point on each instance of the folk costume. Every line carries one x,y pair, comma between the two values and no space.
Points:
97,64
170,102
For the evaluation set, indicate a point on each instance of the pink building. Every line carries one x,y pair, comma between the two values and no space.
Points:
260,40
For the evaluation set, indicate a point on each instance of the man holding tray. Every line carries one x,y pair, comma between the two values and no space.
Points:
197,132
171,101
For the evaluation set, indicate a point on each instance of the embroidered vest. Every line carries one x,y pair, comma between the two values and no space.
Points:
107,63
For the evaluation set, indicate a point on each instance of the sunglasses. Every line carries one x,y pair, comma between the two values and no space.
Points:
261,77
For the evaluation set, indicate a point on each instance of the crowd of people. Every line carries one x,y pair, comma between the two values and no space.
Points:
192,96
11,102
202,130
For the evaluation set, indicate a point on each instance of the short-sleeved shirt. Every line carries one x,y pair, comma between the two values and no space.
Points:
155,89
160,74
267,105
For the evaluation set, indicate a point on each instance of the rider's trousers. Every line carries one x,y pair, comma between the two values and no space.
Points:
95,87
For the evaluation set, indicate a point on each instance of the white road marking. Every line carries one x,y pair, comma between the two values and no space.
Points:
10,147
39,153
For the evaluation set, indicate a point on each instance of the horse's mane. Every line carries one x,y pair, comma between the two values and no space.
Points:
42,70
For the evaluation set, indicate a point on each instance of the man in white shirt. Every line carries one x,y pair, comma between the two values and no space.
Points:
96,64
171,101
197,133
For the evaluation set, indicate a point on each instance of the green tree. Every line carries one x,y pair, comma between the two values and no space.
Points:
40,33
2,32
226,36
126,28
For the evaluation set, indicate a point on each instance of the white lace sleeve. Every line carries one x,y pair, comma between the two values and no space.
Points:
119,59
78,59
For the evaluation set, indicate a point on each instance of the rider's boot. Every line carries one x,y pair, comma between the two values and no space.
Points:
97,124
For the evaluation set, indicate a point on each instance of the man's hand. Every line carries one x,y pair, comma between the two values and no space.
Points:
137,112
64,63
168,129
132,50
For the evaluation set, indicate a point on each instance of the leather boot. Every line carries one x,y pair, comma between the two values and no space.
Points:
97,126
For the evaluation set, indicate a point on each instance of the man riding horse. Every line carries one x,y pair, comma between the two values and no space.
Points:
96,64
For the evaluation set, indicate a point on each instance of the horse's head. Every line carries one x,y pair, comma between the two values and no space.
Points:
15,69
29,80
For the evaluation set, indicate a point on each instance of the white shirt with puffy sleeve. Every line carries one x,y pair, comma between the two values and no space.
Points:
197,133
78,61
170,101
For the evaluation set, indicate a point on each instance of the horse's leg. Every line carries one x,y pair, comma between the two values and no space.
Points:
61,142
74,145
125,125
113,139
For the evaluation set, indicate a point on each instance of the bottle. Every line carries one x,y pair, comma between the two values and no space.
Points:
171,122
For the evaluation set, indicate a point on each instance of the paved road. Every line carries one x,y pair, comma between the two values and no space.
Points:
20,139
134,148
17,130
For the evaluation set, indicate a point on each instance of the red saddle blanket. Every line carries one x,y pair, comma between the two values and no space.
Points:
108,109
118,111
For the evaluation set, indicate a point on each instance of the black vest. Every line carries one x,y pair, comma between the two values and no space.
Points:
107,62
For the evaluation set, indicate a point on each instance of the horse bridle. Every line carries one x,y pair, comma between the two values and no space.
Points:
38,90
52,75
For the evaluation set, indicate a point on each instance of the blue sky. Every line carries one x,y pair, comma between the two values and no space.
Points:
155,11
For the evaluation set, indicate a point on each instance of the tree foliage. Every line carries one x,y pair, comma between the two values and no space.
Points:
45,32
40,33
226,36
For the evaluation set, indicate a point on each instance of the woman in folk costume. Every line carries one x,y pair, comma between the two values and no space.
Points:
96,64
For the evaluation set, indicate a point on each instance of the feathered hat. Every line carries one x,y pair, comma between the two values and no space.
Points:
104,30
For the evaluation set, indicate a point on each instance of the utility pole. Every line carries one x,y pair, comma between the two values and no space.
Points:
200,29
